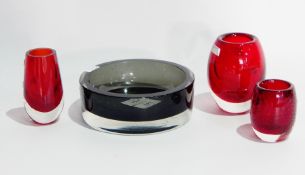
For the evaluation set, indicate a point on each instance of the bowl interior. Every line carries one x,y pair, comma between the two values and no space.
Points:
136,76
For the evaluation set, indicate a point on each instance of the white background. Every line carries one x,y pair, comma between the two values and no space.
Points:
89,32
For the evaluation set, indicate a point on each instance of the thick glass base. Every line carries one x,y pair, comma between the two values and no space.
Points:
44,117
269,137
135,128
232,107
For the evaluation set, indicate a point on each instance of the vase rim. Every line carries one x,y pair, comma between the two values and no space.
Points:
287,86
40,52
249,38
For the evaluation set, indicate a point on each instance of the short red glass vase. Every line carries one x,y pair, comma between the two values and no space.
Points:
273,109
235,65
43,91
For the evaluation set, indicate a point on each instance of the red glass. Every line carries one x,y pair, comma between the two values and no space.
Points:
236,64
42,84
273,109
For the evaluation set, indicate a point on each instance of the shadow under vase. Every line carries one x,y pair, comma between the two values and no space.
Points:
206,103
20,115
247,132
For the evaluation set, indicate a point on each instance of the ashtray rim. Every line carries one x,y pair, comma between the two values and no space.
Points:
189,79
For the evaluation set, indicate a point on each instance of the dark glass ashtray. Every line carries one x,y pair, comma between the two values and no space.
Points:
137,96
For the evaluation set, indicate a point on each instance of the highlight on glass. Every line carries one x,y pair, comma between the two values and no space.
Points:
273,109
43,91
235,65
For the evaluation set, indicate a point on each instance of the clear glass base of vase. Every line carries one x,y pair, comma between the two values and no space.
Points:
232,107
268,137
44,117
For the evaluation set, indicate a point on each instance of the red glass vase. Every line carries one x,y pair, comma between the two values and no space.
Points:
273,109
235,65
43,91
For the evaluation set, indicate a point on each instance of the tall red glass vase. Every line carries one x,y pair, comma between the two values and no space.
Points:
235,65
43,91
273,109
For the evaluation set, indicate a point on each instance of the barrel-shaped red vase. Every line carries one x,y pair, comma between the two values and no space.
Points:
235,65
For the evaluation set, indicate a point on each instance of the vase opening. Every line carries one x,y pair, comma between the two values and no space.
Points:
237,38
40,52
275,85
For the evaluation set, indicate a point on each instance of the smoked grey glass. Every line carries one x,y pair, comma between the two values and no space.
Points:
137,96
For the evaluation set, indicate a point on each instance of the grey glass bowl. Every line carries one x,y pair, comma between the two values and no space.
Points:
137,96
